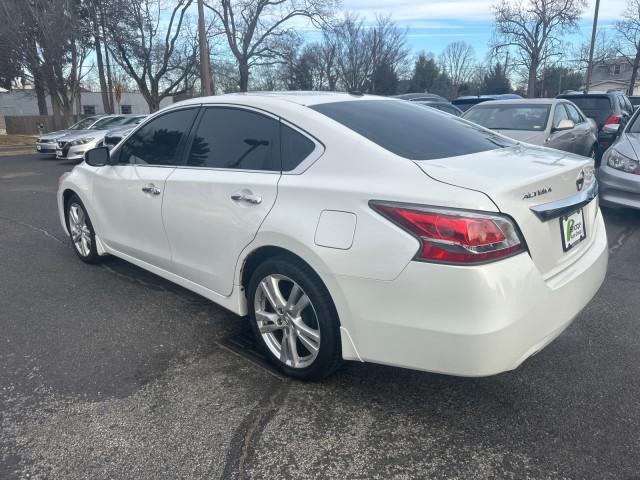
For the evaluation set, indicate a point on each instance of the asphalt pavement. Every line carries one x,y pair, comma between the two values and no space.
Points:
109,372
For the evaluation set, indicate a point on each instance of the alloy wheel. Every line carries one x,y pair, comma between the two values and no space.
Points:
80,233
287,321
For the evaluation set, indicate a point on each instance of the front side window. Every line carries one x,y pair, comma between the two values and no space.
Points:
158,142
410,130
237,139
509,116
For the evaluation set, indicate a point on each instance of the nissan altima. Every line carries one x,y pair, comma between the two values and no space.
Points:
350,227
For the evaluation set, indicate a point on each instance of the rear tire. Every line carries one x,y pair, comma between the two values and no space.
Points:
294,319
81,233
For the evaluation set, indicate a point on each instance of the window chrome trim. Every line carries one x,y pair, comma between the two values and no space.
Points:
309,160
564,206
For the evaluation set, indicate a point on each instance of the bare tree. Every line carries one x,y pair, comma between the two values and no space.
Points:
458,61
628,29
150,41
257,30
534,29
360,50
53,43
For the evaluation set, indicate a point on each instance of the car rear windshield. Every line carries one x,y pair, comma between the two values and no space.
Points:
509,116
465,105
591,102
410,130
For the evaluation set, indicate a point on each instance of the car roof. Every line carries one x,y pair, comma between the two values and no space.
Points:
500,96
306,98
523,101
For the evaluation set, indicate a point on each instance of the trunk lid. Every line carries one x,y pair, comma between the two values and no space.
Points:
517,179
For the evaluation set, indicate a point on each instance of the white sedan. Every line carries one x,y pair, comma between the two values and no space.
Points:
350,227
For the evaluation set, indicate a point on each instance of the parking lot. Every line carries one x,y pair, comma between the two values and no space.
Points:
111,372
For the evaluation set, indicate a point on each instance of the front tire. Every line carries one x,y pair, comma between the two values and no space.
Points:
294,319
83,237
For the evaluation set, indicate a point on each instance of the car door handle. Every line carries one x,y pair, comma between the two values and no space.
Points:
152,189
246,197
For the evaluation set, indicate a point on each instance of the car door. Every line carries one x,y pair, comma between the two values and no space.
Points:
215,203
128,195
560,139
584,135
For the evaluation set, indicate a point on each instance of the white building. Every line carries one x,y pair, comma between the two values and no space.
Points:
24,102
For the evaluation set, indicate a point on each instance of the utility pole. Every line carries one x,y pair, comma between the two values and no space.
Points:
593,43
206,82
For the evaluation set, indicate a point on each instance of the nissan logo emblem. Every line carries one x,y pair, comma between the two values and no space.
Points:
580,180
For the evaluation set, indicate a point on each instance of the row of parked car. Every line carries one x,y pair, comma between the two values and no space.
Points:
88,133
602,125
568,122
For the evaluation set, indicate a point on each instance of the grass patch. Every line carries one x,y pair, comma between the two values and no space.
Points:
8,140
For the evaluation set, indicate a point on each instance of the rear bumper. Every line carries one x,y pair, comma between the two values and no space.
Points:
617,188
469,321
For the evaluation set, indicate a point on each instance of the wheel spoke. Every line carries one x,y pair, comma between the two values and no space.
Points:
296,291
300,305
293,348
80,214
267,322
73,214
272,291
284,348
85,246
308,336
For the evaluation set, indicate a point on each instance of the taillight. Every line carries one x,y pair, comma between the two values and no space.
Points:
613,119
455,236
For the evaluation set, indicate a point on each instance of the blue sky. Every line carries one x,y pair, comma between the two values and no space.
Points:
433,24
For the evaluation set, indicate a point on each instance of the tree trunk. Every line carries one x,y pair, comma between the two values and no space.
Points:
106,104
634,71
41,92
106,59
243,68
531,84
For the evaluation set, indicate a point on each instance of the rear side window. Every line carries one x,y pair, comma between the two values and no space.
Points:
573,113
237,139
158,142
410,130
559,114
295,147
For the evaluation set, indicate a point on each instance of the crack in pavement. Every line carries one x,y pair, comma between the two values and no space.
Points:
627,232
250,430
34,228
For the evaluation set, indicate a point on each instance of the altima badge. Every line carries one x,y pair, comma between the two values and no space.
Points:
536,193
580,180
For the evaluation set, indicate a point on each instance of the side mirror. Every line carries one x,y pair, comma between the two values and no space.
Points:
565,124
97,157
611,128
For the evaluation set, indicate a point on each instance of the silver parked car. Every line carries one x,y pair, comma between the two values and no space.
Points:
619,172
47,143
73,145
546,122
